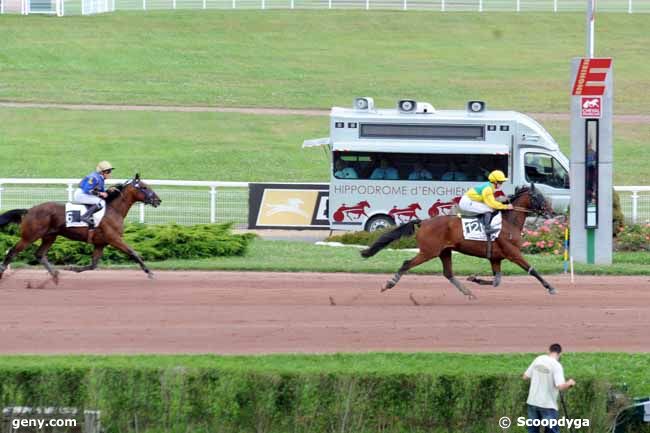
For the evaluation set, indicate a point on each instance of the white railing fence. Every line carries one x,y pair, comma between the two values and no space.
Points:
76,7
199,202
635,203
183,202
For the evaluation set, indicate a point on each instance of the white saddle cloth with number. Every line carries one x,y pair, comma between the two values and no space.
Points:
473,229
73,212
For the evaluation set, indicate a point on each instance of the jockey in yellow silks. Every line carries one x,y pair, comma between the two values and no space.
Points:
480,199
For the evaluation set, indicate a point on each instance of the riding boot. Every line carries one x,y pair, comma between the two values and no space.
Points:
487,218
86,218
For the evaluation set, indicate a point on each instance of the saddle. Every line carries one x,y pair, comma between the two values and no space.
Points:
474,230
74,211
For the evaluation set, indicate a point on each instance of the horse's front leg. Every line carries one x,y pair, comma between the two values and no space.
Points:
514,255
122,246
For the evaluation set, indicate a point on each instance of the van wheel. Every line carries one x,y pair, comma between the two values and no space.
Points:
379,222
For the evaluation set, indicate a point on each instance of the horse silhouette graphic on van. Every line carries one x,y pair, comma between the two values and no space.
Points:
351,212
406,214
443,208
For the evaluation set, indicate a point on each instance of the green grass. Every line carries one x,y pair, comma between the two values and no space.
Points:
212,146
287,256
619,368
318,58
188,146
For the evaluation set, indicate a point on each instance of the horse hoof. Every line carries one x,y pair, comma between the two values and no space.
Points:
552,291
472,297
151,276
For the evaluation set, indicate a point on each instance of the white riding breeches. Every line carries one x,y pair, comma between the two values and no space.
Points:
81,197
468,205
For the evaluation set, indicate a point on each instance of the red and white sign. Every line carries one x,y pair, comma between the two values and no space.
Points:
590,106
591,76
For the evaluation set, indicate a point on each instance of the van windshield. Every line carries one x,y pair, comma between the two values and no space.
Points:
544,169
417,167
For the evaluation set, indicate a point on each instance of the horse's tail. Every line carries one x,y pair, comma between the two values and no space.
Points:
404,230
12,216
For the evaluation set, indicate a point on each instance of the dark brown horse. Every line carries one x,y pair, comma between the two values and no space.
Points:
439,236
46,221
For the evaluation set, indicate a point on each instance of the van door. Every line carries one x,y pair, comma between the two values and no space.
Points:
549,175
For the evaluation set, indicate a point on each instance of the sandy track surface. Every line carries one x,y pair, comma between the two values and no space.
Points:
256,312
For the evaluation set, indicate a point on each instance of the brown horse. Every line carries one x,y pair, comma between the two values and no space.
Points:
439,236
46,221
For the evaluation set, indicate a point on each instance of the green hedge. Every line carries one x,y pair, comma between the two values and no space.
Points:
152,242
180,399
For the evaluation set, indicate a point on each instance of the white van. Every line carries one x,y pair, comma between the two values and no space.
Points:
389,166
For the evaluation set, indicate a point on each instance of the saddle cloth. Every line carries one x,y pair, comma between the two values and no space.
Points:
473,229
73,212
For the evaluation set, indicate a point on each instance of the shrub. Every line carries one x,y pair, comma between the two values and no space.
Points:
152,242
634,237
366,238
547,238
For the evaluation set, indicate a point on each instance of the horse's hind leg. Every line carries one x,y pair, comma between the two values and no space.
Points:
408,264
41,255
496,271
98,252
13,252
445,257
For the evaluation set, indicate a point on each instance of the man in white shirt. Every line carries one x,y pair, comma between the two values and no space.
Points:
546,377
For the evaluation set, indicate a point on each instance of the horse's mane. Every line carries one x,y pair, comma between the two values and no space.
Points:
114,192
520,190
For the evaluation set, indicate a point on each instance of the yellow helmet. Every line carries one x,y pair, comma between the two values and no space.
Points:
497,176
103,166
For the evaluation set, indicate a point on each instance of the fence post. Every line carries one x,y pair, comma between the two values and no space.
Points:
367,4
480,5
141,213
144,5
405,6
442,5
173,4
213,204
635,203
554,5
70,191
292,4
234,5
2,6
263,4
629,6
205,4
518,7
329,4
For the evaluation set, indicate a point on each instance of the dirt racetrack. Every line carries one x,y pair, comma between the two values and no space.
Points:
254,312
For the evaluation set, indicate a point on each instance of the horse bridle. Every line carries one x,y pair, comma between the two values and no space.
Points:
539,211
148,193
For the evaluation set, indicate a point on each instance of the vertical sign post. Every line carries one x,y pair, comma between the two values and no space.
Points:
591,160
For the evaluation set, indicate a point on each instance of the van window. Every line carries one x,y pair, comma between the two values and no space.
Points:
544,169
417,167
